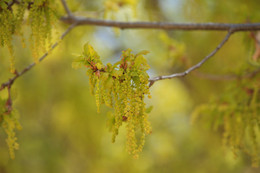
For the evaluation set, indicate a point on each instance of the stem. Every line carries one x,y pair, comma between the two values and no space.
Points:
182,74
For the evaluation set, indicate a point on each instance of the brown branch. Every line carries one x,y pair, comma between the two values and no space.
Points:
75,21
226,77
66,8
162,25
29,67
11,4
9,102
182,74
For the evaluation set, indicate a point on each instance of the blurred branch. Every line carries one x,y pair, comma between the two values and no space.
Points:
162,25
226,77
64,3
9,102
182,74
29,67
231,28
10,4
76,21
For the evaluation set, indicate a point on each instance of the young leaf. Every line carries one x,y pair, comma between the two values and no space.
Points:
149,109
143,52
99,66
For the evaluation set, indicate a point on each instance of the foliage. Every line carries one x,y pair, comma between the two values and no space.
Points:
61,132
236,114
123,87
9,122
41,20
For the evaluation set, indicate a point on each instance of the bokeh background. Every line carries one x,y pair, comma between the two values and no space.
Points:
63,133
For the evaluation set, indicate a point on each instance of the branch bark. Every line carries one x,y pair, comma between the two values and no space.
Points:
76,21
228,77
66,8
162,25
182,74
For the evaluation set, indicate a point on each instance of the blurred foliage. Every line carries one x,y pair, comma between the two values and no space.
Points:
236,113
62,131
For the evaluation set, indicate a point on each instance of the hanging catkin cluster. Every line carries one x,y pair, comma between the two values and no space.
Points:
41,19
10,23
237,112
123,87
9,122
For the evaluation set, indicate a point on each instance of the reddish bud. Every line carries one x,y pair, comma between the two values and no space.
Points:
124,118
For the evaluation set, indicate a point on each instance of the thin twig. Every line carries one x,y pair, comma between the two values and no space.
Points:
18,74
162,25
65,5
182,74
228,77
11,4
9,102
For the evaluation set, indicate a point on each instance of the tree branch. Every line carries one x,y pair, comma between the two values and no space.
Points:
229,77
75,21
64,3
29,67
182,74
162,25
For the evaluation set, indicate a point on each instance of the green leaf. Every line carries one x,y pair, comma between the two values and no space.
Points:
109,66
145,75
85,49
140,60
79,58
143,52
117,63
145,67
76,65
78,62
89,51
149,109
99,66
126,53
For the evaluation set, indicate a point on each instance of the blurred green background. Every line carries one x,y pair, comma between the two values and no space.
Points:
62,131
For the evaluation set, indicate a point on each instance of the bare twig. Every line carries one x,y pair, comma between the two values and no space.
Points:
64,3
10,4
154,79
75,21
163,25
9,102
18,74
227,77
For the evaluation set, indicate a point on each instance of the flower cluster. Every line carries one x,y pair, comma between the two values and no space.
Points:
123,87
236,113
9,122
41,19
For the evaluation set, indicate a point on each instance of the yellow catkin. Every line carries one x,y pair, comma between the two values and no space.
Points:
123,87
97,95
41,20
236,114
9,123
